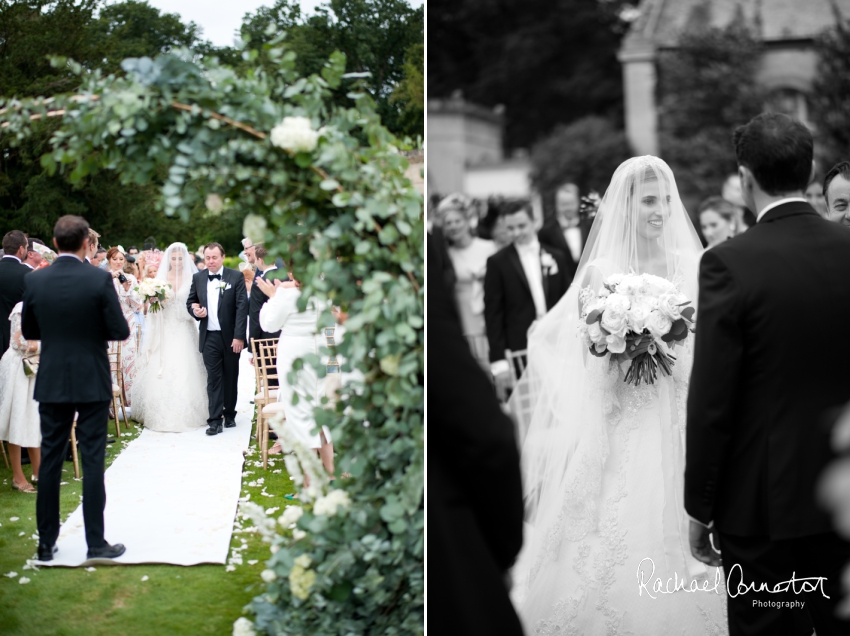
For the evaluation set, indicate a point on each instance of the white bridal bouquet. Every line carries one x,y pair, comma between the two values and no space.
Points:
154,291
636,312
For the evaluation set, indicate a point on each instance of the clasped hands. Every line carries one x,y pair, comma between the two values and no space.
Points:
269,288
201,312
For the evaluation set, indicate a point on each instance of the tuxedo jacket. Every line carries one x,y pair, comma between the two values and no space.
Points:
72,308
11,293
232,305
552,235
771,360
475,508
508,305
255,303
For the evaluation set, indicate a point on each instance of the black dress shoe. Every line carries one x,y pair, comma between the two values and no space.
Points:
46,552
229,422
107,551
215,428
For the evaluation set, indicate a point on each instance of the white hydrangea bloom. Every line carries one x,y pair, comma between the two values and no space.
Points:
268,575
290,516
295,134
243,627
329,504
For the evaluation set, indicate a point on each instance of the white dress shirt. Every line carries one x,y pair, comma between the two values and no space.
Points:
775,204
212,300
529,256
572,235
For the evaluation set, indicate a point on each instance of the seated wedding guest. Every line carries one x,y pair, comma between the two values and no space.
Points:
12,272
717,220
475,508
815,197
33,258
523,281
298,337
131,302
468,255
19,419
836,193
94,246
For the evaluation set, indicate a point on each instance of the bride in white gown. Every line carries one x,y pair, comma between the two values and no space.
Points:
170,391
603,460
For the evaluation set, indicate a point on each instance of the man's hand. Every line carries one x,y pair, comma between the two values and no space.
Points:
238,345
200,312
700,540
503,384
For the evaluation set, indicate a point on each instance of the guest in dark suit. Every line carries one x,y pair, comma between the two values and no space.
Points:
73,310
523,281
12,272
219,301
566,230
475,493
755,446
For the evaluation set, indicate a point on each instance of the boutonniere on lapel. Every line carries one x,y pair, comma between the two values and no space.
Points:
222,287
547,262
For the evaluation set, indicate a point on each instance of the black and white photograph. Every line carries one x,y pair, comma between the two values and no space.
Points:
637,233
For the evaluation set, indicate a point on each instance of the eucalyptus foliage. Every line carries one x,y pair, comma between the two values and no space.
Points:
351,225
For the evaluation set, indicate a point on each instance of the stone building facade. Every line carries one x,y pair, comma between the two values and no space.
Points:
787,29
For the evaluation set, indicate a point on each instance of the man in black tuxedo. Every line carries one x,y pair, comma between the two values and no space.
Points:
258,299
523,281
73,310
474,489
12,272
565,230
218,300
767,369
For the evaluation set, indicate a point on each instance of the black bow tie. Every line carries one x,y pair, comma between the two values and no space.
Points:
218,276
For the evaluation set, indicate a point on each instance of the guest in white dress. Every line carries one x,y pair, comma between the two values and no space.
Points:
19,421
298,337
469,255
131,302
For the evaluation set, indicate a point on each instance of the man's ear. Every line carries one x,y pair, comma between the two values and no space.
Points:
814,171
746,177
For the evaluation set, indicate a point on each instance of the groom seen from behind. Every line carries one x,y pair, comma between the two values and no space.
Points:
768,365
74,310
218,300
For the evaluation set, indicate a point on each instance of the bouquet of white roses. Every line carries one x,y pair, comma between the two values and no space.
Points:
631,314
156,292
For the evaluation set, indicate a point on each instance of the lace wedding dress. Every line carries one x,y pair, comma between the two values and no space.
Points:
606,547
170,391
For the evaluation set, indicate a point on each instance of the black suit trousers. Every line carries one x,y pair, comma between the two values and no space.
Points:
222,376
762,560
56,421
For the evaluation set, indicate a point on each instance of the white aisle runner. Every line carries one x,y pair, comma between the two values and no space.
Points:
171,497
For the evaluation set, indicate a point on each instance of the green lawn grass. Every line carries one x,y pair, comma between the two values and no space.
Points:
202,599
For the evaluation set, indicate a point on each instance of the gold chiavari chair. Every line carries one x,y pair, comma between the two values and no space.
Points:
74,451
138,337
333,379
266,361
3,450
265,394
116,368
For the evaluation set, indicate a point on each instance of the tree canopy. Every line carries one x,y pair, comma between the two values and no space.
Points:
548,62
100,36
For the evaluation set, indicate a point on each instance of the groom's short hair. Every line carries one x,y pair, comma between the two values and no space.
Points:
70,231
210,246
777,150
260,252
517,205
